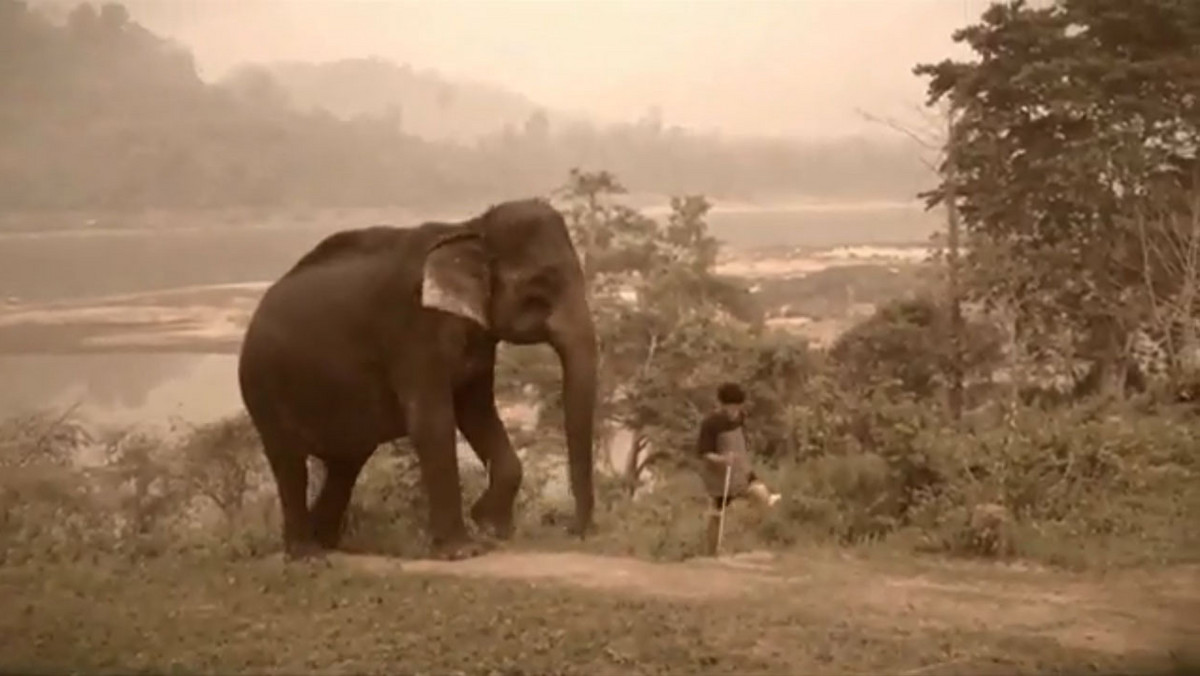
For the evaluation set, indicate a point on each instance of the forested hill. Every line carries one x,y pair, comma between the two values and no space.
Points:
100,113
422,102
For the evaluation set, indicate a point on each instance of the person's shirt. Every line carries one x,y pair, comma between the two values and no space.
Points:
713,425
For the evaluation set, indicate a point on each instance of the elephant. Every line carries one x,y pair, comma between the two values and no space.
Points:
383,332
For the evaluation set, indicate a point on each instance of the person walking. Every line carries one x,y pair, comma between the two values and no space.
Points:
726,469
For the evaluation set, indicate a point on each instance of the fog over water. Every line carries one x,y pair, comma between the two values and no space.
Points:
734,68
788,67
142,388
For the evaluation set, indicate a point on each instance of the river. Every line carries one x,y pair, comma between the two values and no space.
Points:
123,388
155,387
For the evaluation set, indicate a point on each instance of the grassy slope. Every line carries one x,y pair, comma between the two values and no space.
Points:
506,614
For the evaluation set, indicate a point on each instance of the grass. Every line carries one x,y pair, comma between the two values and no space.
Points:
180,615
82,595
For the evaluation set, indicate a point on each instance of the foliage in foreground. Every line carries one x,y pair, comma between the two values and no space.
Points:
1078,488
1096,166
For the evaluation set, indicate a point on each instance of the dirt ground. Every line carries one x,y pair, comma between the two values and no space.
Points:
527,612
1127,613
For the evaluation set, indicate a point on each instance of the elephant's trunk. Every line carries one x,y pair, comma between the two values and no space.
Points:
574,339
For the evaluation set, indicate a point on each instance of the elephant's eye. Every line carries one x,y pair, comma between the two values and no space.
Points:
544,283
535,306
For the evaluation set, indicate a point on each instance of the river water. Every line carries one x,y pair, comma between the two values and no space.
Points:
123,388
154,388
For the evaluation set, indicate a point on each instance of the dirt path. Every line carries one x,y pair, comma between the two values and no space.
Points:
1123,613
687,581
827,612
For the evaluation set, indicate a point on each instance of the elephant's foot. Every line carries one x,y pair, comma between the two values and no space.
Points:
328,539
581,529
464,547
304,550
353,548
712,536
491,520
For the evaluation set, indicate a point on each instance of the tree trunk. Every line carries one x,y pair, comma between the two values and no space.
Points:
1186,357
1106,376
955,398
633,465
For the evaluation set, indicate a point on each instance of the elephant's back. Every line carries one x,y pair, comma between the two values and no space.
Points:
315,325
324,336
339,281
350,243
304,358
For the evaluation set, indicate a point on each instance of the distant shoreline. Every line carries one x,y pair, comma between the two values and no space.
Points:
103,222
211,318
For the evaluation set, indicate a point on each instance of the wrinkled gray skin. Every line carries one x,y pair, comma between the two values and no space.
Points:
381,333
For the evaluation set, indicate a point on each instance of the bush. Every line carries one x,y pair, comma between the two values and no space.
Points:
68,492
387,512
72,492
1090,485
1083,487
905,347
1080,486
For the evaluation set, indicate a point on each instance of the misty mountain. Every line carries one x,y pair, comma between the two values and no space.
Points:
421,102
100,112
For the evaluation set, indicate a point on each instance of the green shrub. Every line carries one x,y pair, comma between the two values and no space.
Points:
1080,487
1084,486
1076,484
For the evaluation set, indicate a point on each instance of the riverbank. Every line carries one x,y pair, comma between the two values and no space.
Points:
211,318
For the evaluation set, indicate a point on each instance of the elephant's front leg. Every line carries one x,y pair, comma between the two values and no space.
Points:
432,431
480,423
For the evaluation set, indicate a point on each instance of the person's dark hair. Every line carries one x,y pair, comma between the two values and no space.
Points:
731,393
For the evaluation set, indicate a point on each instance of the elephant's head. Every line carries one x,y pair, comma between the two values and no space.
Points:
514,271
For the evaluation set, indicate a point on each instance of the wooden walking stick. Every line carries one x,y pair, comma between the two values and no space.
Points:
724,504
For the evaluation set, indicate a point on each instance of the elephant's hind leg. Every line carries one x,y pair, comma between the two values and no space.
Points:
288,465
329,510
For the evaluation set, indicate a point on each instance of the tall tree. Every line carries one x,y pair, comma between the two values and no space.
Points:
941,143
1073,119
669,327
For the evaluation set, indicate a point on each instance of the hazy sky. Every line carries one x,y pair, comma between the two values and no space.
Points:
740,66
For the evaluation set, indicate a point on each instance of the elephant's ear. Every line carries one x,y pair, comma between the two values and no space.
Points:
457,278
